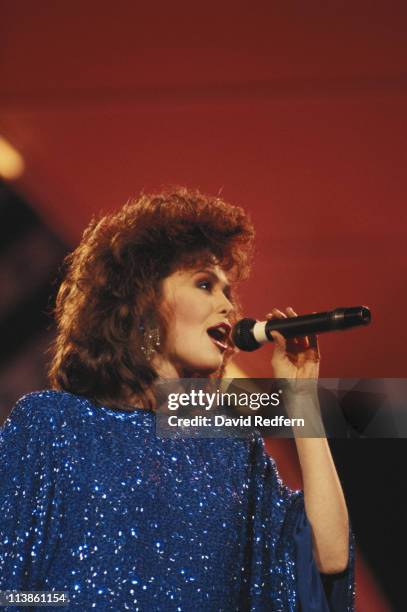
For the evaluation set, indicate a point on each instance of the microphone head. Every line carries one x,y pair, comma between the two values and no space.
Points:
242,335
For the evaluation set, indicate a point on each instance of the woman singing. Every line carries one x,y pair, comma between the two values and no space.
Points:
95,504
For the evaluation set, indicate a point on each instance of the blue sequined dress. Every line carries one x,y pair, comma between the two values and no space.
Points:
94,503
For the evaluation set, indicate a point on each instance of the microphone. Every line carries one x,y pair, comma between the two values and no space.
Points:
249,334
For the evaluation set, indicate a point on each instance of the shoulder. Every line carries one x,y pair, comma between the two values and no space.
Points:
48,398
43,409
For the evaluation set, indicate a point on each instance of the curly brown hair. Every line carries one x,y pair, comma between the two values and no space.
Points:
112,287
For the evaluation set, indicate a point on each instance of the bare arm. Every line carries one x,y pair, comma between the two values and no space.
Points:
324,504
297,360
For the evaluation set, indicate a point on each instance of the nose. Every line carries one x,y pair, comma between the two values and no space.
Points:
225,306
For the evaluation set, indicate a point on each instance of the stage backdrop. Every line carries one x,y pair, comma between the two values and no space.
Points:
295,112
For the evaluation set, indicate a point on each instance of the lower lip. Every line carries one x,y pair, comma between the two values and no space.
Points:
220,345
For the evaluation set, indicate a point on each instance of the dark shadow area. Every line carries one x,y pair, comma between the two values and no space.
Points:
30,260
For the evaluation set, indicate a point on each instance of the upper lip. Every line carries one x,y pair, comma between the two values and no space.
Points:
224,327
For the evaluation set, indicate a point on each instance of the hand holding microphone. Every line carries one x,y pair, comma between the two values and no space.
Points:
295,363
296,355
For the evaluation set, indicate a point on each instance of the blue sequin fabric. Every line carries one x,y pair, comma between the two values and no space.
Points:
94,503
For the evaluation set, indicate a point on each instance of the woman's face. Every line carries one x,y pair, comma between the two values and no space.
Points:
197,300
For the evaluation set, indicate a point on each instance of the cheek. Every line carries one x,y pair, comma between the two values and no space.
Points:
191,314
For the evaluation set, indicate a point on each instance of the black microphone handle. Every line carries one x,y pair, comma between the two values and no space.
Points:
338,319
249,334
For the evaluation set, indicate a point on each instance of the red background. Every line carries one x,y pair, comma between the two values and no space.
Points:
295,111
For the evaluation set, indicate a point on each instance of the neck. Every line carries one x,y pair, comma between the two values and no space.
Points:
168,370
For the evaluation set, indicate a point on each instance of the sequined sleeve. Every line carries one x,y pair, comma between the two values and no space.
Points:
282,562
28,496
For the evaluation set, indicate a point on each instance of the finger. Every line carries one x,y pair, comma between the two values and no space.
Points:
278,313
279,341
313,342
313,350
300,342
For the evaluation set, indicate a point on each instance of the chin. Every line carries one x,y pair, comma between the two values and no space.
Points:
201,367
202,370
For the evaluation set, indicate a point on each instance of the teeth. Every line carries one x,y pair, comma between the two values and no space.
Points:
219,333
223,329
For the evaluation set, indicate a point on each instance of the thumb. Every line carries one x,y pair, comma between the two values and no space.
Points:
279,341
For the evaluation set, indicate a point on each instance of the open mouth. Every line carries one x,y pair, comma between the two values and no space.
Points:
219,335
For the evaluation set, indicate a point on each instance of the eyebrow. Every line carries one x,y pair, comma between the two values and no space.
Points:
227,289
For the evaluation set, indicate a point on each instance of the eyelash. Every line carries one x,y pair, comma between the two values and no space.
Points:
208,282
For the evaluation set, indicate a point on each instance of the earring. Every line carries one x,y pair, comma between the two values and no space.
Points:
151,341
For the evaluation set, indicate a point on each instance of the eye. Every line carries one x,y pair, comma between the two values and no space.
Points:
206,285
